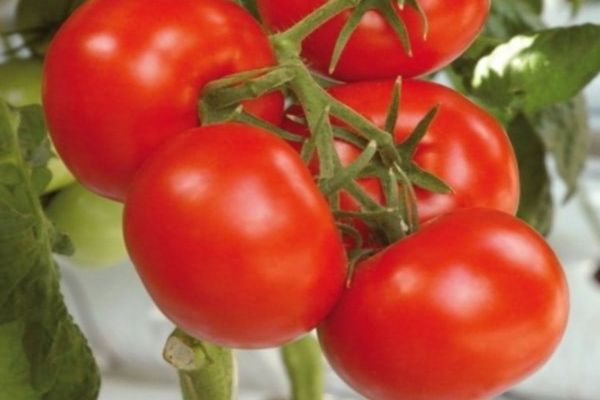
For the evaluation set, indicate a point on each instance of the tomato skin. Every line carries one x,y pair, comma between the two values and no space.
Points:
462,309
452,28
232,238
123,76
464,146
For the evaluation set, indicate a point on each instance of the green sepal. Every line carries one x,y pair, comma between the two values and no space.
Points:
409,146
410,214
426,180
393,110
344,175
346,32
389,13
424,20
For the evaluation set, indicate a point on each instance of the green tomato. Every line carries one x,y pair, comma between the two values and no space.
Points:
93,223
21,82
61,176
20,85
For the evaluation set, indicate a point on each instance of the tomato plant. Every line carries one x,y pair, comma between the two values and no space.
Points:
93,224
464,146
115,90
451,29
232,238
462,309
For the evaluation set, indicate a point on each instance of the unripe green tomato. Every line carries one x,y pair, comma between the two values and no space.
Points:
93,223
20,85
61,176
21,81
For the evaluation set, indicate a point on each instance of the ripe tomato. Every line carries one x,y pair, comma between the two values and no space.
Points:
464,146
122,76
232,238
462,309
452,28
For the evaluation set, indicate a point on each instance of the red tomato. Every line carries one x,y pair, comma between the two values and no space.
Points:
461,310
464,146
232,238
374,50
122,76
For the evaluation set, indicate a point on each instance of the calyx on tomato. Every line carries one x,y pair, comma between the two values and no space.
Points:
375,49
464,146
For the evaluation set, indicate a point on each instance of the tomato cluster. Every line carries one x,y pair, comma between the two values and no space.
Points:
225,222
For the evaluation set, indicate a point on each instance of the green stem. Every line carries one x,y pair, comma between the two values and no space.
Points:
319,106
302,360
300,31
250,119
219,96
206,371
384,140
314,99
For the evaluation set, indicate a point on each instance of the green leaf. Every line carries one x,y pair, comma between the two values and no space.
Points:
14,364
43,354
462,70
536,70
38,20
536,205
512,17
564,129
62,244
251,6
507,18
44,13
35,145
536,5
